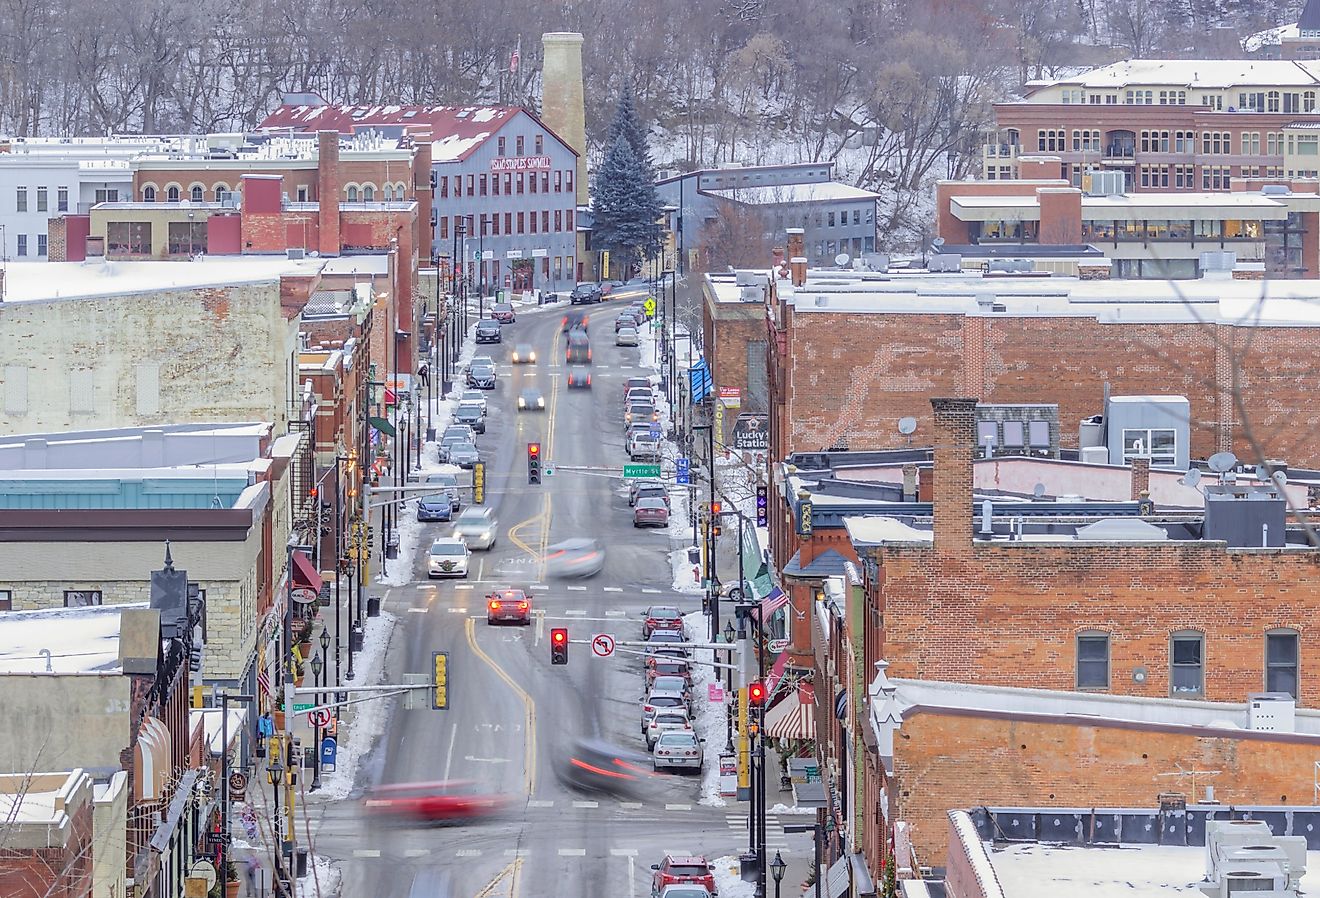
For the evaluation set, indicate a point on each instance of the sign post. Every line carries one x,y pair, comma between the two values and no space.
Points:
602,645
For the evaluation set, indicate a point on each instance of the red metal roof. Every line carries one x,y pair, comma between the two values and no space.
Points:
454,131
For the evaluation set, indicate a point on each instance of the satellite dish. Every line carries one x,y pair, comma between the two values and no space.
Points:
937,242
907,425
1281,478
1038,490
1222,461
1192,478
1261,474
842,259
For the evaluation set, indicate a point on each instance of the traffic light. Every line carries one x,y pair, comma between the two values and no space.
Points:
716,508
762,505
755,694
533,462
559,645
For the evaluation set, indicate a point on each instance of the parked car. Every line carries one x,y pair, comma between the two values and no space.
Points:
634,383
677,751
626,336
639,394
682,870
489,331
472,415
579,377
661,617
585,293
448,558
626,319
531,400
663,685
641,445
503,313
649,489
666,639
473,397
463,453
666,720
669,698
504,605
434,508
524,354
476,526
450,484
678,891
639,411
481,376
659,666
574,558
464,431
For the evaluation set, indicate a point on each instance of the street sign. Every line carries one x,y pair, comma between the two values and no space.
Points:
299,707
318,718
304,595
639,472
682,477
602,645
775,646
682,470
329,749
649,307
440,669
714,693
238,783
655,430
682,464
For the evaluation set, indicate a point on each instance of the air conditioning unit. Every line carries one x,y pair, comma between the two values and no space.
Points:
296,252
1272,712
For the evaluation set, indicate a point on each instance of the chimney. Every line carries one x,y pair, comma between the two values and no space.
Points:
797,260
955,440
909,483
563,107
328,186
425,196
1140,476
776,256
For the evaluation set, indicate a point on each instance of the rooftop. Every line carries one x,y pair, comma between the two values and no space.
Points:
827,191
1192,74
79,640
45,281
1142,206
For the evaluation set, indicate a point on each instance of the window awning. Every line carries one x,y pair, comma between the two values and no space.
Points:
305,575
776,674
794,716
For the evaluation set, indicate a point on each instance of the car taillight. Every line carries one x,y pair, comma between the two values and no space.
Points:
522,606
494,606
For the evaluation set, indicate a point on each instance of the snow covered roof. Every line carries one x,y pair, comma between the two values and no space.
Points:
826,191
28,281
375,264
80,640
878,529
1191,74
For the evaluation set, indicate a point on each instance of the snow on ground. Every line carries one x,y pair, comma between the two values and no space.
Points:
686,579
368,718
787,809
727,881
710,719
322,878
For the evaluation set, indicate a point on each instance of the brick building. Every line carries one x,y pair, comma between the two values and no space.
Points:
49,827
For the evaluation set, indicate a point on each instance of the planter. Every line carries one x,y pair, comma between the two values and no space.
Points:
231,889
279,721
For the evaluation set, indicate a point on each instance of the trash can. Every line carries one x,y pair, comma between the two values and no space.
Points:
301,862
309,758
747,867
392,544
357,636
373,606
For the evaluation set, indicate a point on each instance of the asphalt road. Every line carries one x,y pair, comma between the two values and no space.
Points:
511,713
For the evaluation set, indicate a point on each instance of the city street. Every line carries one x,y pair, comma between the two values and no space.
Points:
512,716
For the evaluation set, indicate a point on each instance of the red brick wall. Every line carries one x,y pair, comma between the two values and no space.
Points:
953,230
328,185
63,872
1060,215
893,363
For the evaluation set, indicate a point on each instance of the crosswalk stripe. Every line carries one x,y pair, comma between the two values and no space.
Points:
576,613
468,852
458,611
630,805
417,852
623,852
366,852
613,589
418,610
464,586
678,807
540,804
572,852
577,589
539,586
586,804
615,613
516,852
653,592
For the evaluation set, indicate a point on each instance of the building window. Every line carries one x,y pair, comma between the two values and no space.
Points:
519,144
6,600
128,238
302,193
148,194
568,220
520,179
508,184
495,223
559,220
1281,658
481,185
531,183
495,185
1092,660
559,181
502,146
20,203
186,238
531,224
172,193
22,244
508,222
43,200
540,144
352,193
444,188
197,194
545,182
368,193
520,222
41,244
568,180
1158,443
61,199
1187,663
81,598
545,220
444,227
111,194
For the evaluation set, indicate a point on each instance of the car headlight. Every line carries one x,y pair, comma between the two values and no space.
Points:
486,535
521,404
540,403
532,357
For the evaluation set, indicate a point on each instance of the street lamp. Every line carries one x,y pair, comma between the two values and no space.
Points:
318,665
777,867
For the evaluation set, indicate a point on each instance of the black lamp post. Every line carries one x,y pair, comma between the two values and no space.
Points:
318,666
777,867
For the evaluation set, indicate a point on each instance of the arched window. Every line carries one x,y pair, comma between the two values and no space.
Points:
368,193
400,191
172,194
352,193
388,191
1187,663
220,191
197,194
149,193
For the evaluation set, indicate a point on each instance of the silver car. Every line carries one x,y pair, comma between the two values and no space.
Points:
626,336
666,720
463,453
677,750
477,527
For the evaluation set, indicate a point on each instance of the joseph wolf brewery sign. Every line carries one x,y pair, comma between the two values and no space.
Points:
752,432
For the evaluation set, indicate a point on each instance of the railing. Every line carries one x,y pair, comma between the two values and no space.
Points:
1120,151
1001,150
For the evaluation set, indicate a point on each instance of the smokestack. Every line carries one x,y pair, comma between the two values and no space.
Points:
327,192
955,441
797,260
563,108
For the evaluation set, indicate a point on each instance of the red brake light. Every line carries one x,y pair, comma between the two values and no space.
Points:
522,606
494,605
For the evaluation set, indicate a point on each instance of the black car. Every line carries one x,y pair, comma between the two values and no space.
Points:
585,293
579,376
579,349
471,416
482,377
489,331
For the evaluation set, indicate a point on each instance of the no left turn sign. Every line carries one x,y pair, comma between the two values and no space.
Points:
602,645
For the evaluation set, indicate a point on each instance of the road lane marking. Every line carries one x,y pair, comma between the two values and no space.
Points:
581,613
427,586
468,852
631,805
577,589
529,708
516,852
652,592
417,852
509,872
464,586
623,852
586,804
678,807
366,852
540,804
572,852
540,586
418,610
613,589
458,611
615,613
449,756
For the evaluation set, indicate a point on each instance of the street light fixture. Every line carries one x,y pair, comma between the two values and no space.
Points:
777,868
325,641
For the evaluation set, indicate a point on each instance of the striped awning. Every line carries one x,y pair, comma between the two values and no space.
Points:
794,716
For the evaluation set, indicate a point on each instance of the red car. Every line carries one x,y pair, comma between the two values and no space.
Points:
676,870
438,802
509,605
662,617
650,513
666,667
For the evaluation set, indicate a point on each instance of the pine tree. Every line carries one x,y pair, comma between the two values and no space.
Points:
628,123
624,205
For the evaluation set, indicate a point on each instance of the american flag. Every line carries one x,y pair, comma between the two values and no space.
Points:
513,60
263,681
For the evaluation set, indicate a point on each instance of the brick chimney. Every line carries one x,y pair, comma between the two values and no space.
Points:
797,259
425,198
955,441
1140,476
328,185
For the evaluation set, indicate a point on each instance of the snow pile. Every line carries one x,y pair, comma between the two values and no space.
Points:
709,718
322,878
786,809
728,882
368,718
686,578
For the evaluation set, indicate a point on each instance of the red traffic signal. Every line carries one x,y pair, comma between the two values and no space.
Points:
715,509
559,645
533,449
756,693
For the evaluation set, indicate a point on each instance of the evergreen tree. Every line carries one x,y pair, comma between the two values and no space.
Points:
625,206
628,123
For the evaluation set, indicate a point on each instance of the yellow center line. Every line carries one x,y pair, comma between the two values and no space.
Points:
529,715
509,871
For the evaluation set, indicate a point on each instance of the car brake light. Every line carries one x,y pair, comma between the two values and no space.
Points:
522,606
494,606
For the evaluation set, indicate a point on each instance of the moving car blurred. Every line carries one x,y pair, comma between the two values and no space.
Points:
650,512
579,348
472,415
531,400
489,331
524,354
476,526
575,321
509,605
574,558
579,376
677,751
597,766
662,617
448,558
434,508
446,801
626,336
683,870
503,312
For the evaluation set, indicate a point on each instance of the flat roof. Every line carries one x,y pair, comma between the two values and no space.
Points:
1141,206
45,281
375,264
80,640
1207,74
782,194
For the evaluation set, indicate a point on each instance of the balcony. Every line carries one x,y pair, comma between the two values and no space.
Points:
1120,151
1002,150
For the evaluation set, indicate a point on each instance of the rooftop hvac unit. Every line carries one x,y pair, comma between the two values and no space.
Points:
1218,261
296,252
1272,712
1094,455
945,262
1276,190
745,278
752,293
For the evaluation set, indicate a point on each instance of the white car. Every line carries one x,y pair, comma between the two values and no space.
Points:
476,527
660,700
475,396
677,750
448,558
666,720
